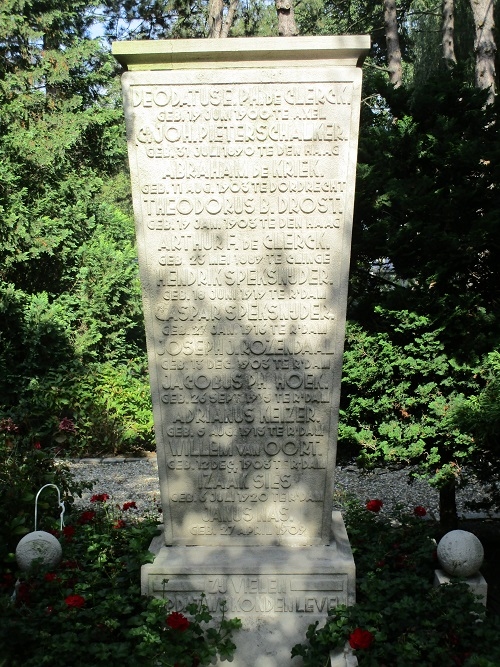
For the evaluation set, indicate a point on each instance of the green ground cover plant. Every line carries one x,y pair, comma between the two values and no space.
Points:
88,611
401,619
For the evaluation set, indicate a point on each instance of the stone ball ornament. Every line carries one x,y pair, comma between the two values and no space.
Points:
38,546
460,553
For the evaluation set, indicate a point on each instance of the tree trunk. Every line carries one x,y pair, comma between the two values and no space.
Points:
484,45
448,507
228,21
215,16
286,18
449,33
392,41
218,25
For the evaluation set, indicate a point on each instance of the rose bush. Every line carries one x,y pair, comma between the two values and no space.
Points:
26,466
400,619
89,611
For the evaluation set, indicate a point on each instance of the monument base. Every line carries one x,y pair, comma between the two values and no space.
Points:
276,591
343,657
477,583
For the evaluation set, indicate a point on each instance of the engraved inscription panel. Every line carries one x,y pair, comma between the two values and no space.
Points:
253,594
243,201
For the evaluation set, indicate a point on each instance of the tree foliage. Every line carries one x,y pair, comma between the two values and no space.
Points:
399,384
425,278
155,19
68,279
425,281
428,198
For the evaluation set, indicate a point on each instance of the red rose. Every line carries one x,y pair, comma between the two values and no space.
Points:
177,621
75,601
86,517
37,445
69,532
50,576
99,498
419,511
130,505
374,505
360,639
119,524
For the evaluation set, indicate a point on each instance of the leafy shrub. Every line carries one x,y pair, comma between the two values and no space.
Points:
43,379
89,612
113,409
401,619
104,304
110,405
479,415
34,338
398,385
57,348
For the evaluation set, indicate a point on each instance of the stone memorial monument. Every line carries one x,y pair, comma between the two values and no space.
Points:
243,159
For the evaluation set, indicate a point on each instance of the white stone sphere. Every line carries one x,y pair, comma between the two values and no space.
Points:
460,553
38,545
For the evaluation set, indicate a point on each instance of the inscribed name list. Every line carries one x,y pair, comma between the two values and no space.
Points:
242,192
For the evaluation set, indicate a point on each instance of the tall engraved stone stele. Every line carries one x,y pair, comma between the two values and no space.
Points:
243,157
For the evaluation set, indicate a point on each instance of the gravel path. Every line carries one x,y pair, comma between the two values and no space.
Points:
137,479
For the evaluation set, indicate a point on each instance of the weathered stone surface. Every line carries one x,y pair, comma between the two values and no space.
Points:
460,553
38,545
243,159
277,591
343,657
476,582
243,181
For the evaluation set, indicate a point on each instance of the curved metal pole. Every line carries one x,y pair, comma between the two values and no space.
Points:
60,503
